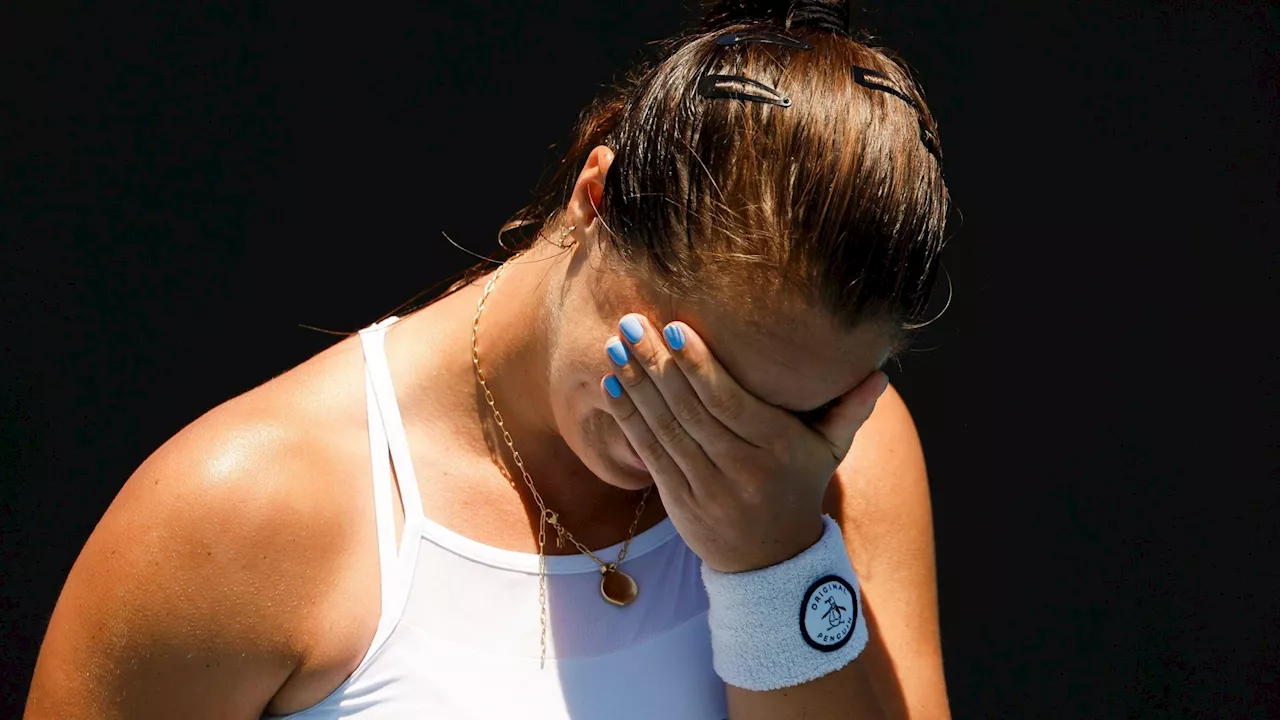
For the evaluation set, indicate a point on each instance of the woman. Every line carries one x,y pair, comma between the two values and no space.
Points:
600,481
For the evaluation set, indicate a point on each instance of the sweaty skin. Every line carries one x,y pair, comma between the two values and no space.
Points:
237,570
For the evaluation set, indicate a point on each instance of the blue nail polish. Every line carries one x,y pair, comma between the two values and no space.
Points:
674,335
614,387
617,351
631,328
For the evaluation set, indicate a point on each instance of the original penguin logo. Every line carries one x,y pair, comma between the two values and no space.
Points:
829,613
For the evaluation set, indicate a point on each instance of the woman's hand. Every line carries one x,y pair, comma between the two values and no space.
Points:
742,480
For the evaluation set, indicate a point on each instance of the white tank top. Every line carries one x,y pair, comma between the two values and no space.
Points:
458,637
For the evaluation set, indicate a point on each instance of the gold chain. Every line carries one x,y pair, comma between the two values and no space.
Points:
546,515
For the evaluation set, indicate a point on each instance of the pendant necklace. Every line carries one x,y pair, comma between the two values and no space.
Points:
616,587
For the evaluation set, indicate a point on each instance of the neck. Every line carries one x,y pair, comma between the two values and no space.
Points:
516,336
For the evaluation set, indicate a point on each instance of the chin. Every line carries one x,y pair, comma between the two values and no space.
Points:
608,455
619,468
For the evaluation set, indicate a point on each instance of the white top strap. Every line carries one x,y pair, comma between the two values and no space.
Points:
384,511
379,372
394,582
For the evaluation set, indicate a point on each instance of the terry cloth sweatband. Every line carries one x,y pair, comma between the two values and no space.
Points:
790,623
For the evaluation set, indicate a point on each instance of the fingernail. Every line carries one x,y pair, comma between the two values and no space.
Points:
613,386
674,336
617,351
631,328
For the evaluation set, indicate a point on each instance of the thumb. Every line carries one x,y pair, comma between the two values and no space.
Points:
843,421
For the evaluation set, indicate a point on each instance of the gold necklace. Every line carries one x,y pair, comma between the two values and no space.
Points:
616,587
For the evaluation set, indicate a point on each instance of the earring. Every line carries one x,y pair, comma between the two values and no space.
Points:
561,242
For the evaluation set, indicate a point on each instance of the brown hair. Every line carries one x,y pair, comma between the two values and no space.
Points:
838,197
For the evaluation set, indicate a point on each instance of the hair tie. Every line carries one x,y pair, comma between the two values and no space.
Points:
823,16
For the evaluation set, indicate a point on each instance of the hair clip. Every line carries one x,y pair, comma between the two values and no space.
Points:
736,87
763,37
930,141
861,76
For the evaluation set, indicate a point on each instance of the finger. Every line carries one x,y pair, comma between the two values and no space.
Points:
653,355
839,426
745,415
667,474
657,386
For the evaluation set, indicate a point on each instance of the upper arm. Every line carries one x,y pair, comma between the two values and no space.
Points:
178,605
880,498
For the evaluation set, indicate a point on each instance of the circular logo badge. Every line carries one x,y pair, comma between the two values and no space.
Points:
829,613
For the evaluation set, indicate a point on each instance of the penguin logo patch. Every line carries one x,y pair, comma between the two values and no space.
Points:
829,613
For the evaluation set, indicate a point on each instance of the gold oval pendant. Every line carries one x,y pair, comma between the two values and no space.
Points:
618,588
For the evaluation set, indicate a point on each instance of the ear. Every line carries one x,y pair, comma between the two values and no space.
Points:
584,204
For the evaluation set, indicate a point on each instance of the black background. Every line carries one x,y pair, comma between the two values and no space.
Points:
184,185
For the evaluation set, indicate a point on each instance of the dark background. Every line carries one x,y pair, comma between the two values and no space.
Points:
182,187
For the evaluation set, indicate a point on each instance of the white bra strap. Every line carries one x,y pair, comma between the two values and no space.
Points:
389,410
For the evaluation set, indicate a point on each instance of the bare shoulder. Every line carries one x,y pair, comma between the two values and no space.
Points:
880,498
882,486
201,589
